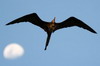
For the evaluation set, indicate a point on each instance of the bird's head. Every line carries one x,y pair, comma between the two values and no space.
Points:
53,21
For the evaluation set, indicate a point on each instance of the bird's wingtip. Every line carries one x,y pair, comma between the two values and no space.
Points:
7,24
95,32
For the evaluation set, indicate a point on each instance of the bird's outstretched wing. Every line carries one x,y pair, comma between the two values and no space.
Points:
32,18
72,21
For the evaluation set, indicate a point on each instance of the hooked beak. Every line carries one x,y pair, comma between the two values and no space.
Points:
53,21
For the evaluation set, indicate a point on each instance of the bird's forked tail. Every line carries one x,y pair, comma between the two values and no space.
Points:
48,39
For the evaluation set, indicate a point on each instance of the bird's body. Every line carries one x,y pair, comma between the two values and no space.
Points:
52,26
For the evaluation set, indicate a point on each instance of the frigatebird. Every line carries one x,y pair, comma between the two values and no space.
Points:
50,27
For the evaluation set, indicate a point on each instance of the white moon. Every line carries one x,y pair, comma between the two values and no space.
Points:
13,51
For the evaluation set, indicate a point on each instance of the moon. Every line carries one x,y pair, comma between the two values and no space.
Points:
13,51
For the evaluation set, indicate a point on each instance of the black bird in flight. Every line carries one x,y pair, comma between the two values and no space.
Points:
52,26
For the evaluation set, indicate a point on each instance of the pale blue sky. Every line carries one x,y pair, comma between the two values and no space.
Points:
83,49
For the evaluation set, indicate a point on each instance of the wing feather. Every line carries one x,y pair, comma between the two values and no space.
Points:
72,21
32,18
